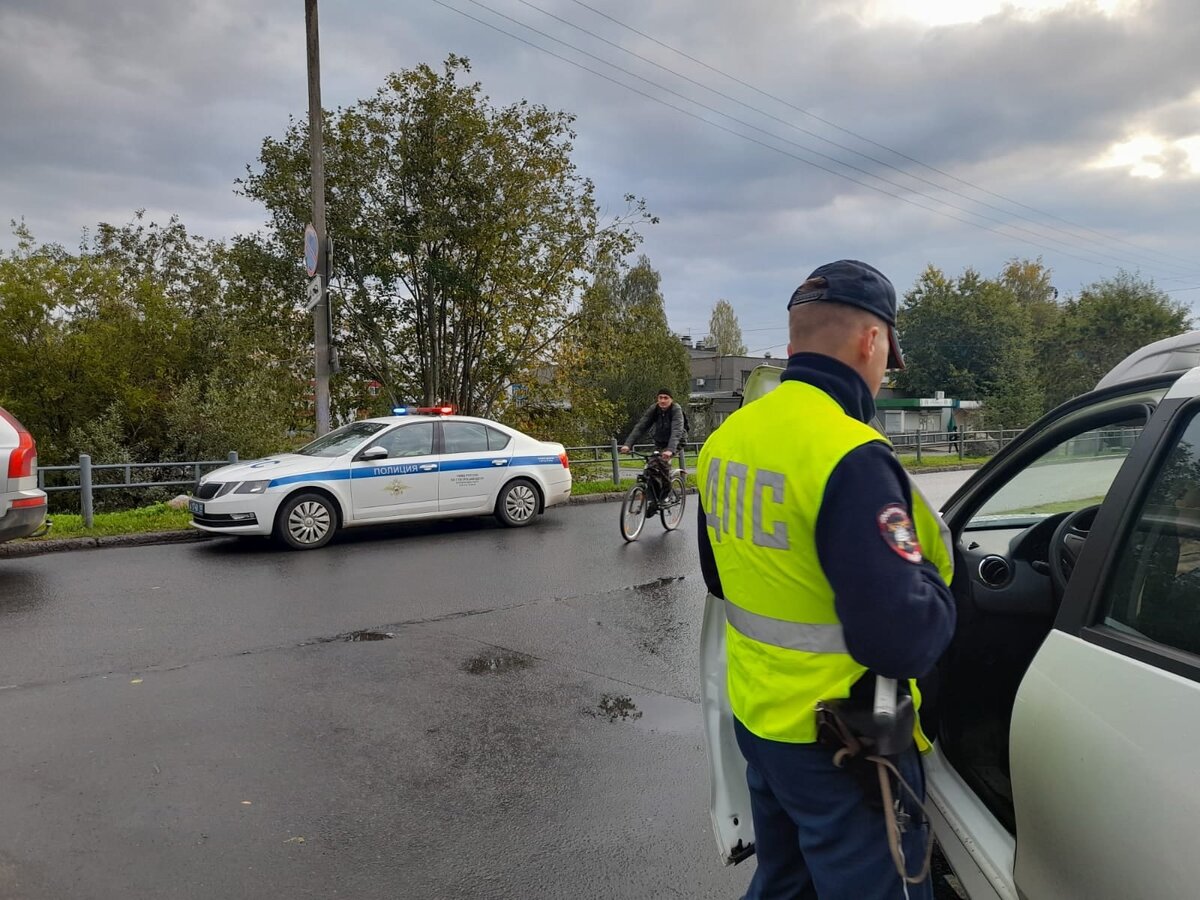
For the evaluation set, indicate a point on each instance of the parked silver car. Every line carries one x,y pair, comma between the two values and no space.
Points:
22,505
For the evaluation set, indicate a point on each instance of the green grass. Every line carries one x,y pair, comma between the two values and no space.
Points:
606,486
931,461
158,517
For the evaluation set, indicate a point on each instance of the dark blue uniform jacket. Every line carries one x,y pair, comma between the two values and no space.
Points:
898,616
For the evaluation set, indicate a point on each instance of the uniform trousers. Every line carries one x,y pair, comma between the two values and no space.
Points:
816,836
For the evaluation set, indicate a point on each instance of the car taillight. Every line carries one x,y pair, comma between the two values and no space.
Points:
23,460
562,458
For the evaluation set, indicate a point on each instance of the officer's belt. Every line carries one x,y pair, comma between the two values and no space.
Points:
782,633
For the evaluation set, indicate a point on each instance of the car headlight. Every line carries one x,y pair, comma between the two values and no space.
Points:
252,487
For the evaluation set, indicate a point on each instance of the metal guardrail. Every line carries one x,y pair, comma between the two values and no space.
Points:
922,443
602,455
91,477
87,483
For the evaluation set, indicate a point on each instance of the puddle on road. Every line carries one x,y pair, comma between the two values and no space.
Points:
369,636
614,707
497,662
656,584
651,712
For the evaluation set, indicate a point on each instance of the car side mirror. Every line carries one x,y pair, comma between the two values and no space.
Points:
375,452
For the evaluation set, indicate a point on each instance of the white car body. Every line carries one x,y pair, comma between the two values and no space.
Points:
1068,714
469,467
22,504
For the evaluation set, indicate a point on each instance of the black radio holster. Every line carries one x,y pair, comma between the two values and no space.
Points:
850,730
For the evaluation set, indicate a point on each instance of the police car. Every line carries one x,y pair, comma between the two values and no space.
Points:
1066,711
422,463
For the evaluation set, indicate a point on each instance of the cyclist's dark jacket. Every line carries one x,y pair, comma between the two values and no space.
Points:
665,425
897,617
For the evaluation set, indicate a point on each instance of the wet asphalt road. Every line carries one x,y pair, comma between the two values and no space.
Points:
190,721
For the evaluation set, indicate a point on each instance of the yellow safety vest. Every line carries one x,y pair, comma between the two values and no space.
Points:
762,478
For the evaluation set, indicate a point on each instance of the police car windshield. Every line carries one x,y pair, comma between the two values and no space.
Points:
343,440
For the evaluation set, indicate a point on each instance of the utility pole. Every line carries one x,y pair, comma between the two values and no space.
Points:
316,152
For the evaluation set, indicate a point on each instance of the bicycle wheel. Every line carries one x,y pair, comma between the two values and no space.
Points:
633,512
671,509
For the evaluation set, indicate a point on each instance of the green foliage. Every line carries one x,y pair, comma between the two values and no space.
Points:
972,338
724,330
462,232
1107,321
616,354
1009,341
100,346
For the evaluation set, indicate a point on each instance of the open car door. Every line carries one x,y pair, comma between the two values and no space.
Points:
729,798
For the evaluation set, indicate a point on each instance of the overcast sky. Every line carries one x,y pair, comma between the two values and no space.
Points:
1066,130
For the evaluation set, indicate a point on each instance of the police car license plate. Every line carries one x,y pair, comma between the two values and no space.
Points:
196,507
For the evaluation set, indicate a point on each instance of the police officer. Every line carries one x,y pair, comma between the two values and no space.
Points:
833,574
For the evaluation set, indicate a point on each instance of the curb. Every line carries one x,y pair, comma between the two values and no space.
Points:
38,548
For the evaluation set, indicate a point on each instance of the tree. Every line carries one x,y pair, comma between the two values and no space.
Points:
106,350
971,338
1109,319
616,353
462,232
724,332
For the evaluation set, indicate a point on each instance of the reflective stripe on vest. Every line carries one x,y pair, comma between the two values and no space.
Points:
762,493
788,635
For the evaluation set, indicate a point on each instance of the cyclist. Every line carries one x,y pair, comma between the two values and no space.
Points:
664,423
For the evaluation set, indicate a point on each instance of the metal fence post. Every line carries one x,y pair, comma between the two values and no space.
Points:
616,462
85,489
918,447
233,457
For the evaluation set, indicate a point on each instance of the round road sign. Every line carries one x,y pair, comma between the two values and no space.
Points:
311,250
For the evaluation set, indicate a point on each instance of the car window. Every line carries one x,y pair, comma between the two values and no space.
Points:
407,440
497,439
1156,589
465,437
342,440
1076,473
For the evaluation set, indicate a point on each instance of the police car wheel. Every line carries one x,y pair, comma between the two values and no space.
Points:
306,522
517,504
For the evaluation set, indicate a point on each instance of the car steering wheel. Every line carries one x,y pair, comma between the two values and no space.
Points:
1067,543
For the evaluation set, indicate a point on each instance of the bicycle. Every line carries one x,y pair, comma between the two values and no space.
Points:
635,507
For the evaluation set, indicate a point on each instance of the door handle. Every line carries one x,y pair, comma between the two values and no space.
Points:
428,467
499,462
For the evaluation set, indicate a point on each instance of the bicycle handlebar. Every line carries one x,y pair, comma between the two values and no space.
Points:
651,455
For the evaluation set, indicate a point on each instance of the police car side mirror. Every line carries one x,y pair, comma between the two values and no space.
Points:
375,452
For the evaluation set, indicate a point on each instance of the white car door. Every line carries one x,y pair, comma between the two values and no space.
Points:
401,484
1053,773
1107,720
474,461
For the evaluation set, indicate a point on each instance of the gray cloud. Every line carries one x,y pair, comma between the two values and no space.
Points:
112,107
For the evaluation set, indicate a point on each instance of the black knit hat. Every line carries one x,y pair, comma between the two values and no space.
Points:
666,391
